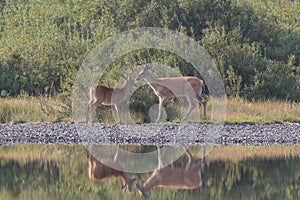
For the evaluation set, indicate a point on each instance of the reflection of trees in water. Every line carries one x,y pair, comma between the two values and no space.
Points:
256,178
16,176
251,178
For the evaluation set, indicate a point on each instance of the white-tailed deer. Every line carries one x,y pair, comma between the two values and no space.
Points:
166,88
187,178
100,94
98,171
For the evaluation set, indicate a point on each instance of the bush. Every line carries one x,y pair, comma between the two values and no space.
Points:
252,43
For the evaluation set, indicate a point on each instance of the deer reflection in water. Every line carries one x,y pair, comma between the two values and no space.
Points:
99,171
188,177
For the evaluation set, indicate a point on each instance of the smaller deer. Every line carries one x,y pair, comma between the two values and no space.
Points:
173,177
98,171
100,94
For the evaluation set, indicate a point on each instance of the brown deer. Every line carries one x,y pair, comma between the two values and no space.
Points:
173,177
100,94
99,171
166,88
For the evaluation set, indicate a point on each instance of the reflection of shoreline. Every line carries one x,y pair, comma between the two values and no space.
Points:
225,153
233,172
35,151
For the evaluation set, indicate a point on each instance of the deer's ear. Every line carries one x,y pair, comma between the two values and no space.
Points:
142,62
123,77
129,74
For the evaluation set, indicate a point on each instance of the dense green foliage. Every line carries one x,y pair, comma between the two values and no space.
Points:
255,44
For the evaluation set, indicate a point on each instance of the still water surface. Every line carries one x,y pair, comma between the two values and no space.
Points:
31,171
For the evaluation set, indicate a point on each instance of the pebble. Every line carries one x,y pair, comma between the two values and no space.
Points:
151,134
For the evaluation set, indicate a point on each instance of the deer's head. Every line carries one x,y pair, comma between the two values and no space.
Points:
128,79
144,72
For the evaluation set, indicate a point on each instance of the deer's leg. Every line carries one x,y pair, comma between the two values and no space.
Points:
143,193
165,101
202,102
160,164
204,109
127,183
203,160
162,102
87,114
191,107
118,113
91,105
92,102
189,155
116,155
201,165
159,109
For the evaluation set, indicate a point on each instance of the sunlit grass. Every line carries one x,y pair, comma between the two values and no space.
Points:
238,110
242,111
29,109
24,152
238,153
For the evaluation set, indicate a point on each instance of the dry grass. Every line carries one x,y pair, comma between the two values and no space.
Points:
29,109
24,152
242,111
238,110
238,153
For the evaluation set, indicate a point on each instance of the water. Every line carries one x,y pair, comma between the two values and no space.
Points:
31,171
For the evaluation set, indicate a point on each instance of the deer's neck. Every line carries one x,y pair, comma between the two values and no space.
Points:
149,185
151,79
126,87
152,181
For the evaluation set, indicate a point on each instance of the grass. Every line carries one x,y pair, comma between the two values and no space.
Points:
226,153
25,152
30,109
239,110
242,111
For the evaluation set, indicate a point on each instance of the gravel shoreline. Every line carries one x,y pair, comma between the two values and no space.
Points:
151,134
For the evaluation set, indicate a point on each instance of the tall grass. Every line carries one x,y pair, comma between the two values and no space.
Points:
245,152
240,110
30,109
25,152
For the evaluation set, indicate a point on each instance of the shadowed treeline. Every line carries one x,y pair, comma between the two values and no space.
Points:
255,44
17,176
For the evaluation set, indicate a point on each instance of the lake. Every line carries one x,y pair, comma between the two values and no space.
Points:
57,171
